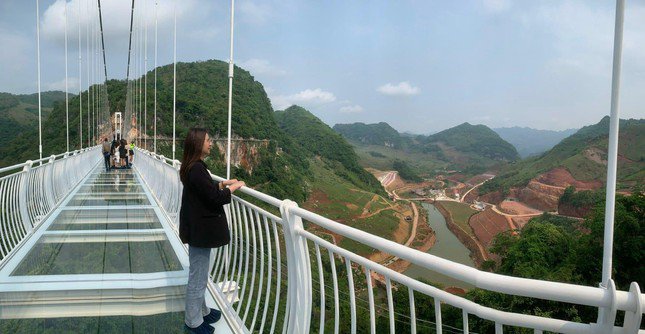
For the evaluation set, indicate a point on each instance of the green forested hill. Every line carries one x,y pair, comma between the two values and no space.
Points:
319,139
469,148
281,167
19,113
584,155
24,144
373,134
477,140
202,100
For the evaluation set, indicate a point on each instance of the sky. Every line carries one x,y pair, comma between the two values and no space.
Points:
421,66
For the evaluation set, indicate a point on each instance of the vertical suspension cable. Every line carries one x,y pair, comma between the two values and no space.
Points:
98,82
133,84
128,106
95,124
105,89
139,54
87,65
66,86
145,84
230,97
135,70
155,121
174,82
91,73
612,146
80,81
40,127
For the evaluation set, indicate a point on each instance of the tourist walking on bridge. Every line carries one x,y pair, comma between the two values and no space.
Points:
106,154
123,153
202,225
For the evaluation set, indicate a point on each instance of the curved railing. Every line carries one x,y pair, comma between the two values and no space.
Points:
277,275
30,191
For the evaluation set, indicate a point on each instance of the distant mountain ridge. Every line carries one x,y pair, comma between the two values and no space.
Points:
372,134
529,141
466,146
584,156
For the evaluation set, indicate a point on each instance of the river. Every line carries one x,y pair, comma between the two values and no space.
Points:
447,246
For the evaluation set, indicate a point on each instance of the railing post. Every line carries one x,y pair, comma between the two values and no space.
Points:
298,271
607,315
22,199
632,321
51,196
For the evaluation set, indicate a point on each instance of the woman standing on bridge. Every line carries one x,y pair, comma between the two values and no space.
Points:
202,225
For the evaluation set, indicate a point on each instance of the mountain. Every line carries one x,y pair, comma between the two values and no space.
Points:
477,140
22,145
372,134
579,160
470,148
264,155
529,142
19,113
320,140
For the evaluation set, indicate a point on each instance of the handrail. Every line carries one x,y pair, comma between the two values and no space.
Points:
243,267
31,190
556,291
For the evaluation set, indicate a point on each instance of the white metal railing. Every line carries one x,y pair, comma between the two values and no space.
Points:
30,191
276,268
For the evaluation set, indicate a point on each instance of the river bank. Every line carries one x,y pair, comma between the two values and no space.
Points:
477,252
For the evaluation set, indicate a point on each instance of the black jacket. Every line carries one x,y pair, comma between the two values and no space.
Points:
202,222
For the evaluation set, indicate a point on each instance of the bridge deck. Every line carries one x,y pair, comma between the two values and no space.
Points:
105,261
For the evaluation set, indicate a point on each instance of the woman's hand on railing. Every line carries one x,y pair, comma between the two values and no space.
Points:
234,185
229,182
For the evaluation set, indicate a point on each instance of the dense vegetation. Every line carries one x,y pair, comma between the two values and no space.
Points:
573,154
24,145
585,198
19,114
405,171
320,140
202,92
202,100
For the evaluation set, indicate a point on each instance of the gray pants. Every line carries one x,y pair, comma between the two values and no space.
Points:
196,307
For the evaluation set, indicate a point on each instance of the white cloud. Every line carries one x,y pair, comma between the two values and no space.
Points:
583,33
261,67
401,89
351,109
14,56
116,18
72,85
306,97
496,6
255,13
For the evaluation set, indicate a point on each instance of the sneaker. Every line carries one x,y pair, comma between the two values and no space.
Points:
204,328
213,316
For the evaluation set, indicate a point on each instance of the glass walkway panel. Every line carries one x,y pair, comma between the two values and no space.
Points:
105,261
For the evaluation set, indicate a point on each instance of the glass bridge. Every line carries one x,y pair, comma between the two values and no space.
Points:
106,260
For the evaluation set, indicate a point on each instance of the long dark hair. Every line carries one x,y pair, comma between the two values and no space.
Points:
193,146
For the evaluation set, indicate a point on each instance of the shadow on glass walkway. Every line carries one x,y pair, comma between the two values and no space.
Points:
105,261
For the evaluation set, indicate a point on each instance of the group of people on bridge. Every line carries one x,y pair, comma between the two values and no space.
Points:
117,155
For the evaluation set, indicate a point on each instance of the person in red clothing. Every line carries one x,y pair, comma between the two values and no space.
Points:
202,225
